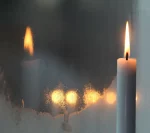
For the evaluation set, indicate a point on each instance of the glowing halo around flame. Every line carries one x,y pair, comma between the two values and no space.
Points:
136,98
110,97
58,96
71,97
91,96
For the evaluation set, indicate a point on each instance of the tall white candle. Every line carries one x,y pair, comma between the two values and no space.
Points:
126,90
31,75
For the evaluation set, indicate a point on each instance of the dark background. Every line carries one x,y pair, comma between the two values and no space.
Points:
81,39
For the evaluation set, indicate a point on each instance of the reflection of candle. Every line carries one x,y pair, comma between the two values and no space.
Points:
126,90
32,70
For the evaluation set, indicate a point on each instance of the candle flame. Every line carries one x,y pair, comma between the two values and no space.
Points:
58,96
71,97
127,42
91,96
28,41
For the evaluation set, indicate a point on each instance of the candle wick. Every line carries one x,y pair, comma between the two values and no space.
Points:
127,56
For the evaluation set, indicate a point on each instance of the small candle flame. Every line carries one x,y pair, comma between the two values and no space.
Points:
58,96
91,96
28,41
127,42
71,97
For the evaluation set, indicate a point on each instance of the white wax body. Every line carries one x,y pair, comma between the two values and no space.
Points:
126,93
31,91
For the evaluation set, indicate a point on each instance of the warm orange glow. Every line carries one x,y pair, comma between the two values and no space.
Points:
71,97
127,41
91,96
136,98
57,96
28,41
110,97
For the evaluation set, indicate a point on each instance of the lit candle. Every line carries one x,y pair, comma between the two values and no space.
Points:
31,74
126,90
